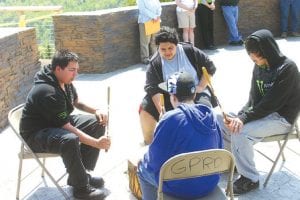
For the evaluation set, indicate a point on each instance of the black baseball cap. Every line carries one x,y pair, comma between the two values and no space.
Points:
181,84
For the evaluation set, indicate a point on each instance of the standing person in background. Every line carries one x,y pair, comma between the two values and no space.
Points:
205,11
148,10
186,18
231,14
289,7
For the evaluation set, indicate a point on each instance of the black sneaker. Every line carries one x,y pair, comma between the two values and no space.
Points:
211,47
236,43
97,182
88,193
244,185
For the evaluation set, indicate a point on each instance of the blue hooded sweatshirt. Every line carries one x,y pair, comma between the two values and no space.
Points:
185,129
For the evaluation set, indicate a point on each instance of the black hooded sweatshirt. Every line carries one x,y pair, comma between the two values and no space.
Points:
275,88
47,105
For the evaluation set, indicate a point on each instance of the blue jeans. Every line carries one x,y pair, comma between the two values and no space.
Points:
252,132
289,7
147,183
231,15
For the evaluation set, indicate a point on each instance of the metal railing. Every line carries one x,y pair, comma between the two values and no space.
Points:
43,25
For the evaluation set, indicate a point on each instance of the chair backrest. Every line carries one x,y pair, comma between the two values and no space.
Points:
14,117
196,164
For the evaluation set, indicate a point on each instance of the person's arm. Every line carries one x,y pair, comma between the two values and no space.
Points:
202,60
101,116
276,97
99,143
157,103
183,6
144,10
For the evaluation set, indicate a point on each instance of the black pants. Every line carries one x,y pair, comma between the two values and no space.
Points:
206,24
77,157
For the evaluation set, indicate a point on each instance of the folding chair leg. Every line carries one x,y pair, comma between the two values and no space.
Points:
19,178
43,171
55,182
275,162
283,157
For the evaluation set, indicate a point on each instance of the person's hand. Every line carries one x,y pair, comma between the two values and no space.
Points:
212,6
156,19
234,124
102,118
103,142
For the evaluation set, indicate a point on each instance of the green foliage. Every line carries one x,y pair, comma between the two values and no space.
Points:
44,28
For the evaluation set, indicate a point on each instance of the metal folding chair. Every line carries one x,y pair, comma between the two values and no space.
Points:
14,116
293,134
224,163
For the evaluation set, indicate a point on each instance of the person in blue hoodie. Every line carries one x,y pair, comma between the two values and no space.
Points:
189,127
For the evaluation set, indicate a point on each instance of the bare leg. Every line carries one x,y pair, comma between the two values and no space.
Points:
185,34
148,124
191,35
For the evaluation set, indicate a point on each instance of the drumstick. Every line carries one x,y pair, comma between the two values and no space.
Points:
108,107
162,103
207,77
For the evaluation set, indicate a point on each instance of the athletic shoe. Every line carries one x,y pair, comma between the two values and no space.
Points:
244,185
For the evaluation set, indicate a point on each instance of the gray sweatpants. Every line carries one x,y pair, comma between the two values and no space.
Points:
252,132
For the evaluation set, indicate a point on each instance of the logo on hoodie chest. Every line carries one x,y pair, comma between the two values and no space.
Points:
264,87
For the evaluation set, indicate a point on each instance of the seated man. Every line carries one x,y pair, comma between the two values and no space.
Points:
189,127
48,126
172,57
272,107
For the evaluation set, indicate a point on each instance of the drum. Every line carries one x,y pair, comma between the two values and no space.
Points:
134,184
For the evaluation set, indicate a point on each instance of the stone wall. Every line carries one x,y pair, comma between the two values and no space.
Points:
19,62
107,40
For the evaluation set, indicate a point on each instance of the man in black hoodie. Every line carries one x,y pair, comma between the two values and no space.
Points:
272,108
48,126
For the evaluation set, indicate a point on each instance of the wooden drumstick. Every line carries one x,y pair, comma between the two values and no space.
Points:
108,108
207,77
162,103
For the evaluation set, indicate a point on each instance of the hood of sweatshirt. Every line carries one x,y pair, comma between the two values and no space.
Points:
201,117
46,75
269,47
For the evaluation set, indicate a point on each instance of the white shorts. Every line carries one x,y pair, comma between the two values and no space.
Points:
186,19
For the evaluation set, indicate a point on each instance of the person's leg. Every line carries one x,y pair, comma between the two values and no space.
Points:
144,43
185,34
61,141
183,22
89,125
210,27
148,124
153,46
191,35
192,25
295,16
149,117
203,24
147,183
284,15
230,14
225,132
252,132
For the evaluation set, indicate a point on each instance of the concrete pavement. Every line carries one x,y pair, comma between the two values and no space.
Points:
231,83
